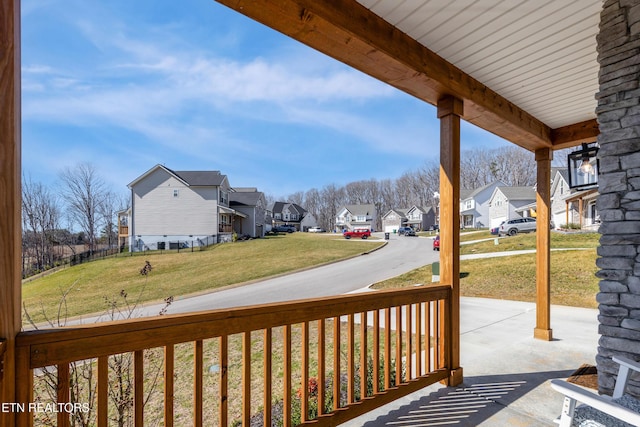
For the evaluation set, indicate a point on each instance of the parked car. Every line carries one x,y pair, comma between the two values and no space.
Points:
284,228
436,243
410,232
362,233
519,225
496,230
316,230
403,230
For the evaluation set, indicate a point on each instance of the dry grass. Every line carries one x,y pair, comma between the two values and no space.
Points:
177,274
573,280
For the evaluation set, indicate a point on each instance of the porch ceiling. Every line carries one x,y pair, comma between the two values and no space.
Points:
526,70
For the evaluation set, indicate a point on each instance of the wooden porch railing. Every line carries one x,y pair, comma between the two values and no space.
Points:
270,360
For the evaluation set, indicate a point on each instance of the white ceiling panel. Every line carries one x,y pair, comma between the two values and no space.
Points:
540,55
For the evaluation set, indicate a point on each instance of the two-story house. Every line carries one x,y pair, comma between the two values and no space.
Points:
475,204
251,203
417,217
507,202
350,217
394,219
285,213
573,207
173,209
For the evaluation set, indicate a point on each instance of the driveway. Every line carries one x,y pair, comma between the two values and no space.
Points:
400,255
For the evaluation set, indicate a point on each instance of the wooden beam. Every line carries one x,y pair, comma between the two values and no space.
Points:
571,136
351,33
543,246
10,199
449,112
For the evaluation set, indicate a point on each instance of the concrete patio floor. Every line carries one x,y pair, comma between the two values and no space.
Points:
506,370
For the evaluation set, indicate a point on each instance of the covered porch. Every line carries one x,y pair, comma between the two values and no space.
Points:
527,73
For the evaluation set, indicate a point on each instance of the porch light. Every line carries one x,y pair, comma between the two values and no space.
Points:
583,167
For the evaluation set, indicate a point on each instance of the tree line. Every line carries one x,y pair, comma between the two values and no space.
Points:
83,199
512,165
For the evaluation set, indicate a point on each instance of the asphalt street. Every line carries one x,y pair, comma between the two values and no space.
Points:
400,255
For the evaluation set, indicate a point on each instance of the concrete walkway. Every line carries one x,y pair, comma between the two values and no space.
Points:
506,370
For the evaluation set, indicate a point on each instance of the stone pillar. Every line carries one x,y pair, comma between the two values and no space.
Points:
619,186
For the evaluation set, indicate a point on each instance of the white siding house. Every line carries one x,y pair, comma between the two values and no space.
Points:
171,209
474,205
505,202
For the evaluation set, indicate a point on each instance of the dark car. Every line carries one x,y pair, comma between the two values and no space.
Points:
410,232
403,230
436,243
284,228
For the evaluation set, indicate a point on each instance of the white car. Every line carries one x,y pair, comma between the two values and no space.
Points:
316,230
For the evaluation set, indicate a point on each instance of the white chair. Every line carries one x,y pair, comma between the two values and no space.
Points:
599,410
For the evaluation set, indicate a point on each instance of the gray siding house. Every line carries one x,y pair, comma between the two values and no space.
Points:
350,217
252,205
171,209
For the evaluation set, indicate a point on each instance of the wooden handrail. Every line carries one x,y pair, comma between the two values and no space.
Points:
58,348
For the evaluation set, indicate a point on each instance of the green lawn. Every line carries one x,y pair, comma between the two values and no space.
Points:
90,286
573,280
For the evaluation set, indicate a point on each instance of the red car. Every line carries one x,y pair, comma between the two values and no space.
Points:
362,233
436,243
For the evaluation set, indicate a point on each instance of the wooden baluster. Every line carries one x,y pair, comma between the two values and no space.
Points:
350,359
427,336
304,377
24,386
376,351
363,355
168,385
198,384
268,364
336,363
224,379
418,323
387,348
246,379
138,387
63,394
321,366
409,336
103,391
398,345
287,376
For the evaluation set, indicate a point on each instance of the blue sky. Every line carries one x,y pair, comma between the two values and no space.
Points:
193,85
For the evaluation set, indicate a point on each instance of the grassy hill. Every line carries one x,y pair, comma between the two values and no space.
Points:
93,287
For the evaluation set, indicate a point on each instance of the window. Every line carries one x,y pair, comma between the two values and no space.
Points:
176,193
361,218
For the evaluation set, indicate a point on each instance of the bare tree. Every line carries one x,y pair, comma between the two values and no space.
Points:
84,193
40,221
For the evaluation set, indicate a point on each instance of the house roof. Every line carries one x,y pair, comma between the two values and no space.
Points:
201,178
526,71
363,209
246,198
469,194
278,207
402,213
518,193
189,178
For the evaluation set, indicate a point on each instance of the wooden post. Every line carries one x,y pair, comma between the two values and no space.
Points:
543,245
449,112
10,199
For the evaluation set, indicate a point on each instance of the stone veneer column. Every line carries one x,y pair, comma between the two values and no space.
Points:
619,201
